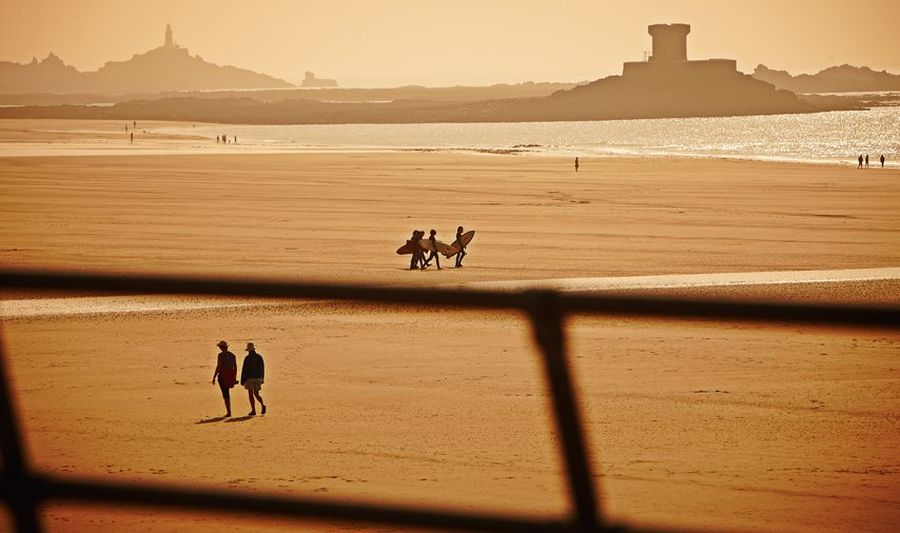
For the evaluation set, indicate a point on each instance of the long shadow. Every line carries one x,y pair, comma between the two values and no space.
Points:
211,420
240,418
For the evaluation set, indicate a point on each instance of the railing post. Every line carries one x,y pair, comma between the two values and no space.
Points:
546,321
16,485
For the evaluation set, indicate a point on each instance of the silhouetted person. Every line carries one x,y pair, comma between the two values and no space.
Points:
576,164
434,251
131,138
134,123
253,374
226,374
462,248
418,258
217,139
224,139
882,160
860,161
235,139
867,160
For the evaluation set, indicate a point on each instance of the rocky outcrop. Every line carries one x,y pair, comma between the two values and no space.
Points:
841,79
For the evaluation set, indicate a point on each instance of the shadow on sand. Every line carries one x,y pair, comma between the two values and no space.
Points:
240,418
211,420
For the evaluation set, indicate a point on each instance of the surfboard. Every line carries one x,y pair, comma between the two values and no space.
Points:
455,248
442,247
406,249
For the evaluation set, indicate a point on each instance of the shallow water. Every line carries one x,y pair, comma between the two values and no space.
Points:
838,136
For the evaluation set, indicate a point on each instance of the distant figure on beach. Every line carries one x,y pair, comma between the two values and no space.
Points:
576,164
131,138
860,161
459,232
882,160
217,139
235,139
253,374
418,258
867,160
224,139
225,374
134,123
434,253
126,128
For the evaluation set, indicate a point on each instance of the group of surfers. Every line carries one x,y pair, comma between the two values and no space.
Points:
419,261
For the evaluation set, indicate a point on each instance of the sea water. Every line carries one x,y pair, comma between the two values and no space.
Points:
838,136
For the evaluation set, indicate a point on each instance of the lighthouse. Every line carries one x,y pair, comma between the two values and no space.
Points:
170,42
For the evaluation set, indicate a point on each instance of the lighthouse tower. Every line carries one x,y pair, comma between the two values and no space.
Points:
170,42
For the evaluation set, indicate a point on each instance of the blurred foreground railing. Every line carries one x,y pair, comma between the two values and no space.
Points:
24,491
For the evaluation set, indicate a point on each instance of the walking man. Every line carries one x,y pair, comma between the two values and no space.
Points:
434,250
462,247
253,374
576,164
860,161
882,160
226,374
867,160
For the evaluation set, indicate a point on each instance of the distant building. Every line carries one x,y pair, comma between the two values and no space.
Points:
170,41
669,57
310,80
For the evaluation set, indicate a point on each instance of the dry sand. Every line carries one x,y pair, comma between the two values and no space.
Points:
697,425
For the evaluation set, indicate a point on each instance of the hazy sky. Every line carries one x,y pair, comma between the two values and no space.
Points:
446,42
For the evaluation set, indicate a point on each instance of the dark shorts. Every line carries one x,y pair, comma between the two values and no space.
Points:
226,390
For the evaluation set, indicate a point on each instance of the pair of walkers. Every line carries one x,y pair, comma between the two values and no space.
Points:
253,373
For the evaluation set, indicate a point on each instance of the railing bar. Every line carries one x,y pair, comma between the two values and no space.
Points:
62,490
734,311
686,308
22,503
546,321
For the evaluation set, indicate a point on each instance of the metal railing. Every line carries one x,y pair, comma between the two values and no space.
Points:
24,490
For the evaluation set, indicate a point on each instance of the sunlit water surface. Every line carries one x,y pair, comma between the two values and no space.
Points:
838,136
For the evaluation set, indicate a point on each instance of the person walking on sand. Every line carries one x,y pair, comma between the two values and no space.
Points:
225,374
860,161
253,374
576,164
867,160
462,247
131,138
882,160
434,251
418,258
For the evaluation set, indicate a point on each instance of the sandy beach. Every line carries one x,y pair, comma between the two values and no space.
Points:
715,425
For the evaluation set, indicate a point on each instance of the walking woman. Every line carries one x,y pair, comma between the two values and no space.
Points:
253,374
226,374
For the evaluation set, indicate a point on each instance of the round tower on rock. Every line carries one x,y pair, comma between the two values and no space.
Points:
669,42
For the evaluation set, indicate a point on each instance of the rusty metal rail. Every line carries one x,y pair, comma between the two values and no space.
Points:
24,490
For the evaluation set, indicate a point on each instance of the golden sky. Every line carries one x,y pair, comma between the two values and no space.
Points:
447,42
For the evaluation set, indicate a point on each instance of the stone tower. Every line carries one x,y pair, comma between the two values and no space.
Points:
170,42
669,42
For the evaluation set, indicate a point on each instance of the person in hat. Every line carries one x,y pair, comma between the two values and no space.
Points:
253,374
225,374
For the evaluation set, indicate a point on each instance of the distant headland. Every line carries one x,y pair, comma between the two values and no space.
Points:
666,85
842,79
169,67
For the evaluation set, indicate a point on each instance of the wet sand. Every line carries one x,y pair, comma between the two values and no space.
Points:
696,425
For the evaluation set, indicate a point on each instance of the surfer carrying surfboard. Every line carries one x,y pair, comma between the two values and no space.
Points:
462,247
434,251
418,257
